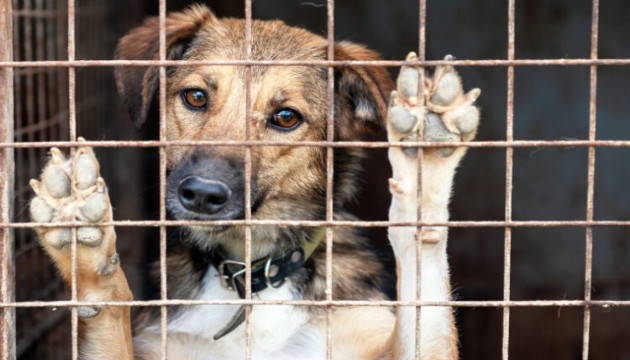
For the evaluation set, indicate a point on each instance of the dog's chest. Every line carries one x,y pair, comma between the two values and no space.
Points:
277,331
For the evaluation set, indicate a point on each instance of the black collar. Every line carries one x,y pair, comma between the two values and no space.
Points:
270,271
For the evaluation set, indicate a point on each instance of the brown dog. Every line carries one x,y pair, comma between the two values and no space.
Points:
289,103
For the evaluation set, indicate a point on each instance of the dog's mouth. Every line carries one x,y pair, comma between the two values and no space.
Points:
214,231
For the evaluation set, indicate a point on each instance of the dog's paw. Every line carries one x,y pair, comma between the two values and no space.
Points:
71,189
448,113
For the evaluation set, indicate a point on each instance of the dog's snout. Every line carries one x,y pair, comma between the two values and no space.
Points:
203,195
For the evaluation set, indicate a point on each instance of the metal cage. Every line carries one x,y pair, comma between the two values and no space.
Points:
50,88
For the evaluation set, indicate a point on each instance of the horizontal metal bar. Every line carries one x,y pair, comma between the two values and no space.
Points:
322,303
335,144
323,223
322,63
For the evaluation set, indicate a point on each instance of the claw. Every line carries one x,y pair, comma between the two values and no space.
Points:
57,156
472,95
395,186
393,99
35,185
101,187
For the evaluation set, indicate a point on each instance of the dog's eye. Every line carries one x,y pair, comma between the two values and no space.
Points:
195,99
286,119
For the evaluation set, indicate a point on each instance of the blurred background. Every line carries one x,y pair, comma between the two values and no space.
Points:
551,103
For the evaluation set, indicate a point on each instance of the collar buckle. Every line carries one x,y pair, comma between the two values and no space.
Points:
229,277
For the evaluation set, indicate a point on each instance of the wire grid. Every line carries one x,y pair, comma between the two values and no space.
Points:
40,113
509,144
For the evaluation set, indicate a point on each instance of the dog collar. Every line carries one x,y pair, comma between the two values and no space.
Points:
270,271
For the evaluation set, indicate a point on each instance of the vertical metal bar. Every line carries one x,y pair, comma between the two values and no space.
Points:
592,122
72,125
422,18
40,54
162,100
30,99
61,44
509,172
7,280
248,178
330,136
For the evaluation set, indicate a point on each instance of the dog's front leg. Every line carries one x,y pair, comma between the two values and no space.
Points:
447,114
72,189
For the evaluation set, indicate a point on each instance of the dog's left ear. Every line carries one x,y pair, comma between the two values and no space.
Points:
362,93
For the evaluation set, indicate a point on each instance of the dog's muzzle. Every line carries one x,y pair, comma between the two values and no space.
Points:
207,186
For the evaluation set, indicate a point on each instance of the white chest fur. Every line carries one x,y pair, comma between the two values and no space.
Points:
278,331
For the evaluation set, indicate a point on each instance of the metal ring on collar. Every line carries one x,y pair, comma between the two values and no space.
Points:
268,279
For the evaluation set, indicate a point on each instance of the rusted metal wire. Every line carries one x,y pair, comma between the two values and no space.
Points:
248,179
40,94
30,67
509,173
333,223
330,136
592,125
422,20
321,63
323,303
336,144
7,278
162,100
72,123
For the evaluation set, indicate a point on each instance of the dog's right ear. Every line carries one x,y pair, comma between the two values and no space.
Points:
137,85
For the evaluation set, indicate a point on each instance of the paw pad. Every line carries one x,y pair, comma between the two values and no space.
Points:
449,114
86,171
86,312
56,181
90,236
401,119
95,207
70,189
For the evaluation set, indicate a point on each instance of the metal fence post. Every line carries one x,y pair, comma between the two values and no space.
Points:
7,324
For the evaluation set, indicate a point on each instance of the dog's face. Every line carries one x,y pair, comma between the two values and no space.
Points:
288,103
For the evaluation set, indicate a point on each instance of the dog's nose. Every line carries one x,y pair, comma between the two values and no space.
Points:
203,195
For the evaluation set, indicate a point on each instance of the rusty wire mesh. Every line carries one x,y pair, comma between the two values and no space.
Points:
55,67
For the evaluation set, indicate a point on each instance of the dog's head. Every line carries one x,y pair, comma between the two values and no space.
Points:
288,103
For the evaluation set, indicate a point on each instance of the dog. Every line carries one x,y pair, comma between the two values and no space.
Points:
288,103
